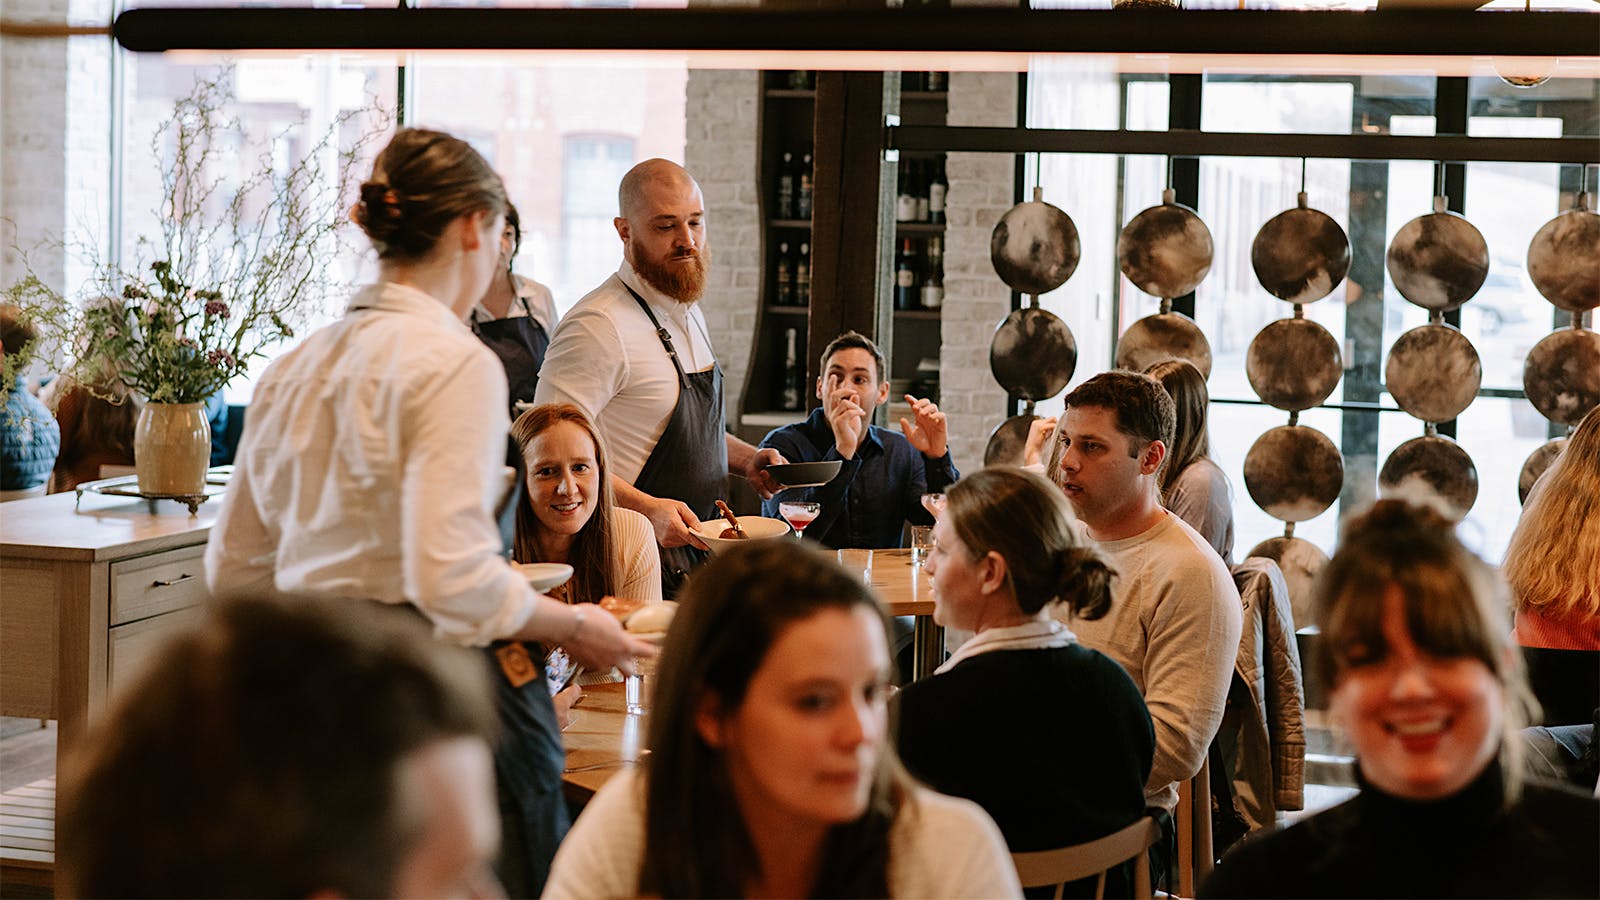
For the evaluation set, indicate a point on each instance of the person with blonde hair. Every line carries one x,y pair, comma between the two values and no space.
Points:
1424,683
1555,580
1193,486
1064,759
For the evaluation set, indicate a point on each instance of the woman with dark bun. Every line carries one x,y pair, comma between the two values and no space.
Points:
372,461
1051,738
1427,686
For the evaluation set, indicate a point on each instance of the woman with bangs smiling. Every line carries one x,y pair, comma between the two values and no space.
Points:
1428,688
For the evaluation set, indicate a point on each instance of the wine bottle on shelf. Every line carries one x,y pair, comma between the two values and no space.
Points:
800,80
938,190
803,194
905,276
934,82
786,279
905,204
786,188
933,274
789,398
802,277
921,178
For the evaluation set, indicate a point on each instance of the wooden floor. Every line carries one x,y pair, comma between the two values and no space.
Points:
28,839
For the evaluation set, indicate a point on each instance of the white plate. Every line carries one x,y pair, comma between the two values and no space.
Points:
544,576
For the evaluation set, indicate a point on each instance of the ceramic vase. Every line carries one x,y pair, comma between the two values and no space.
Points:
172,448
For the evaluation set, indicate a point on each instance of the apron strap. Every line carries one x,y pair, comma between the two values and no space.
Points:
661,333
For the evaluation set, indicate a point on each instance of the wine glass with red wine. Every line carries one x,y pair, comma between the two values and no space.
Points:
799,514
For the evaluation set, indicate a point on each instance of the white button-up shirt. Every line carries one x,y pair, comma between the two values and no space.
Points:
371,461
606,359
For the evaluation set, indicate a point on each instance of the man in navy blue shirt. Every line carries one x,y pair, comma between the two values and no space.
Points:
880,486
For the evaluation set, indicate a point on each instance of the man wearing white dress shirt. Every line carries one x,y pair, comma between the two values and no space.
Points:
634,355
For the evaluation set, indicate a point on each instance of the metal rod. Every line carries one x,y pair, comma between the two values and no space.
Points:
1182,142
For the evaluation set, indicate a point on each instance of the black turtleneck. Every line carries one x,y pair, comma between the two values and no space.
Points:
1470,844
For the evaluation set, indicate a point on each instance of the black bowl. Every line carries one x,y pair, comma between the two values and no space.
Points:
811,474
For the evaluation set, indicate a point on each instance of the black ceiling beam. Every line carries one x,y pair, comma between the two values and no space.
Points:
1448,33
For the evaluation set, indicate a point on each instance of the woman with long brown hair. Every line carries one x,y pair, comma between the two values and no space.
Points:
1193,486
1427,687
770,772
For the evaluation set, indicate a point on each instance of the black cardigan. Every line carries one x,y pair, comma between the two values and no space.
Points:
1055,744
1467,845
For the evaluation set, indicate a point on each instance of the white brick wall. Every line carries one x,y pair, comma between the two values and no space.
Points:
55,147
976,300
720,151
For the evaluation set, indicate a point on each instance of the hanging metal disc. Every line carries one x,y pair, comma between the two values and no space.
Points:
1431,467
1564,260
1033,354
1536,464
1438,261
1301,561
1161,337
1293,472
1433,372
1562,375
1008,442
1034,247
1293,364
1300,255
1165,250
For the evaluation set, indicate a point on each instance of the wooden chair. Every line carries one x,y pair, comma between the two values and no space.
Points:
1057,867
1192,825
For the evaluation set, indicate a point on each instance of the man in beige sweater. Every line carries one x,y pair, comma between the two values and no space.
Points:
1175,614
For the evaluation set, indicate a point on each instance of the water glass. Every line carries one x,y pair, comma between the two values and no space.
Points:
857,560
921,543
636,688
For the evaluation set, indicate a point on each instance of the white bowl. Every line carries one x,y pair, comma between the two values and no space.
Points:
544,576
758,528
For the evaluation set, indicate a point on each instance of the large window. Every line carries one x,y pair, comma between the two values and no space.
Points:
1371,200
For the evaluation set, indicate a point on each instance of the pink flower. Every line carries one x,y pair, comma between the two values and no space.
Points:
217,308
220,358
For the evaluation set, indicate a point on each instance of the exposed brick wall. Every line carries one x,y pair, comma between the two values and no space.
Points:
975,298
720,151
55,148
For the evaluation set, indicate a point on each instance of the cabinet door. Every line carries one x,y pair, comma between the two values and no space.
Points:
159,583
135,644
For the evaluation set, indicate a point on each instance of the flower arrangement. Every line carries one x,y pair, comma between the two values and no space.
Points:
227,276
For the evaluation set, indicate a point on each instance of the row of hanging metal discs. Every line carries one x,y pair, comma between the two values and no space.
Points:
1165,251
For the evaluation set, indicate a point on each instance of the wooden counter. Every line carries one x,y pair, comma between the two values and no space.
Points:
87,593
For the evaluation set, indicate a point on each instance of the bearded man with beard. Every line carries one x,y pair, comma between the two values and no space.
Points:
634,354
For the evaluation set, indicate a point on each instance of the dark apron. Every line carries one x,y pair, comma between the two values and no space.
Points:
528,761
520,343
690,460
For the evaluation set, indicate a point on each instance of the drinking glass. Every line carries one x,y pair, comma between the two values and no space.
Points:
799,514
934,504
921,542
857,561
635,690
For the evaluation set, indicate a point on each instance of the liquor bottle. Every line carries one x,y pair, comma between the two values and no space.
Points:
938,190
921,180
905,204
789,400
933,275
803,195
934,82
786,279
800,80
802,277
905,276
786,188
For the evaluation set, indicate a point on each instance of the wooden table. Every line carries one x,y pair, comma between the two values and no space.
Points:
601,741
907,591
86,596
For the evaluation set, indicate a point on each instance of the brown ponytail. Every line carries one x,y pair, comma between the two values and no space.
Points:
421,182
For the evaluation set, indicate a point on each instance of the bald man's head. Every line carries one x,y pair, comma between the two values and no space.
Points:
636,186
662,226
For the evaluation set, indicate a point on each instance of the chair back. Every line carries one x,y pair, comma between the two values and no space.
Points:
1046,867
1192,825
